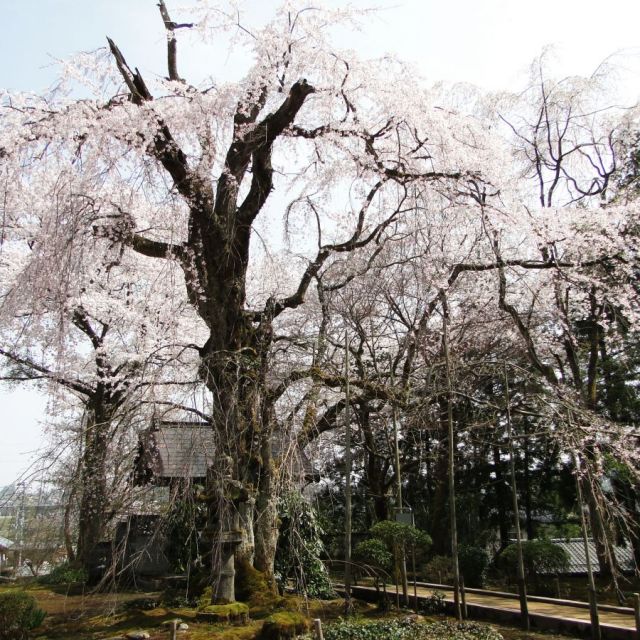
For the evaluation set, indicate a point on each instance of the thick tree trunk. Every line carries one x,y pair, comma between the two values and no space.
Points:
234,368
94,501
266,520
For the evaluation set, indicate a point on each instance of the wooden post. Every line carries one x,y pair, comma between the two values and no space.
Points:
317,626
396,457
522,585
636,610
593,602
174,629
347,488
415,578
463,595
452,478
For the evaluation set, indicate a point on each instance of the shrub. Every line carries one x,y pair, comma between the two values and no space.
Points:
65,573
542,559
473,565
359,630
434,604
374,552
397,533
451,630
439,569
19,613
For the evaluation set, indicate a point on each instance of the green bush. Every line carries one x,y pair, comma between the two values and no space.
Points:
19,613
439,569
374,553
473,563
65,574
360,630
397,533
542,559
434,604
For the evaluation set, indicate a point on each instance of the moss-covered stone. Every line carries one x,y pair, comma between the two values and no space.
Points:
233,613
284,625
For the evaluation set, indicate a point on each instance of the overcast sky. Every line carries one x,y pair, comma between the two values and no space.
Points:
485,42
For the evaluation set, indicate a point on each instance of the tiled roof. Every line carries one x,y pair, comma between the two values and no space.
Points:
296,463
5,543
186,449
183,451
577,558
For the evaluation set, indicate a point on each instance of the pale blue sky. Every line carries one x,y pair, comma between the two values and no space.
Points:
486,42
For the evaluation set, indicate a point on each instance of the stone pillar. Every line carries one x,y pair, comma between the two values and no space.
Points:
224,534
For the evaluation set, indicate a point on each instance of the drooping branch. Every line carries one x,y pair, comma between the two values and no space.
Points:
354,242
47,373
545,369
176,405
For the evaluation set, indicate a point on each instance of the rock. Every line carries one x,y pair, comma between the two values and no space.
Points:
183,626
233,613
414,618
137,635
284,624
168,623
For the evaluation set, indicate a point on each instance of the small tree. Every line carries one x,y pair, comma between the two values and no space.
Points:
397,535
374,556
542,559
473,565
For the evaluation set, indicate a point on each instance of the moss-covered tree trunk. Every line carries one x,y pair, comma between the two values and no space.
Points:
95,499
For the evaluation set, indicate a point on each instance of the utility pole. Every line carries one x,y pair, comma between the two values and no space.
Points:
522,585
20,524
452,479
347,488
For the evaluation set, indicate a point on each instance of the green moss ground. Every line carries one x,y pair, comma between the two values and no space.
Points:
103,616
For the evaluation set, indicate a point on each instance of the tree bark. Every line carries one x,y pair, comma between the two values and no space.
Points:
94,501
